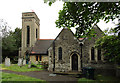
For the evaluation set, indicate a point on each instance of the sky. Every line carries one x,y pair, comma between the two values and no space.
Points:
11,12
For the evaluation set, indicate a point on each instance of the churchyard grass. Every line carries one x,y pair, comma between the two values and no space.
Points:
100,79
14,77
84,80
15,67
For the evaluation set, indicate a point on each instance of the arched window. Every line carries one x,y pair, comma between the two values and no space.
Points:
92,53
28,35
99,54
60,53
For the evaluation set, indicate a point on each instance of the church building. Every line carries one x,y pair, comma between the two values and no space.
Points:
65,52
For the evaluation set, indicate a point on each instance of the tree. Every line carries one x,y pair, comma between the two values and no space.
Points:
11,44
111,46
82,15
17,35
4,32
4,28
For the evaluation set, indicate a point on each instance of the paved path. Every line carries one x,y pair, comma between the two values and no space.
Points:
44,75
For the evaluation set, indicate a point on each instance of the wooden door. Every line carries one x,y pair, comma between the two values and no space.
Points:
74,62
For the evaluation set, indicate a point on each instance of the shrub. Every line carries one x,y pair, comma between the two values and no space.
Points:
45,64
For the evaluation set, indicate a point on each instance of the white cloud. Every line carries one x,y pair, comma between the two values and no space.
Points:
109,25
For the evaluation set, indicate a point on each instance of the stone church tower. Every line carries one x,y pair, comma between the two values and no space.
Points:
30,31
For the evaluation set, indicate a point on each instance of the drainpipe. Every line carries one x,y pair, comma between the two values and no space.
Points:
53,56
81,44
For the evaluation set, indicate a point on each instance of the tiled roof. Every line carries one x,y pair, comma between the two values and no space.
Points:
81,38
41,46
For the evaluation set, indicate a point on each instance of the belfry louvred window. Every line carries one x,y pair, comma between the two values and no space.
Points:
28,36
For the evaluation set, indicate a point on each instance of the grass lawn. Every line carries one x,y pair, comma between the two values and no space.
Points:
15,67
8,77
84,80
100,79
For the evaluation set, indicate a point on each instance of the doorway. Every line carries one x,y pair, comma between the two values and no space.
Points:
27,58
75,62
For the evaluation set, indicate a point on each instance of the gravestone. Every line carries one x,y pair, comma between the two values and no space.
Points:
29,65
52,74
7,61
24,62
20,62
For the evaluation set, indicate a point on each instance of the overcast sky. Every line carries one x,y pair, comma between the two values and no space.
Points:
11,12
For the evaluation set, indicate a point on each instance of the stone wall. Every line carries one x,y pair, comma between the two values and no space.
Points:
43,58
101,66
88,44
70,45
105,72
50,59
33,59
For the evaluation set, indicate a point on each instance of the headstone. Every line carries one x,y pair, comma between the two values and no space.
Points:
7,61
52,74
20,62
29,65
24,62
